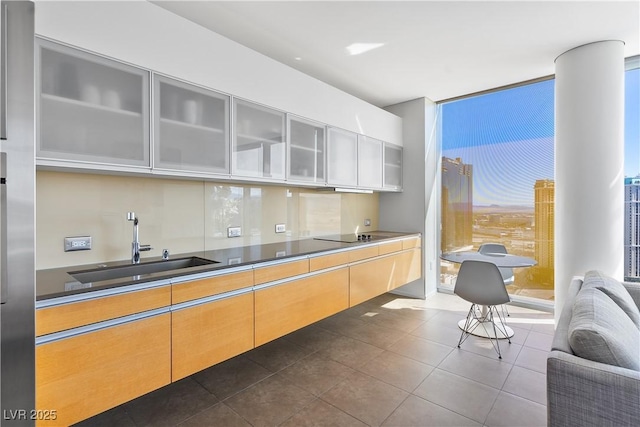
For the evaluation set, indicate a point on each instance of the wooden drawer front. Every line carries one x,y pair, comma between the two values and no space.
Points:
416,242
206,334
387,248
373,278
328,261
364,253
290,306
72,315
280,271
84,375
409,267
188,291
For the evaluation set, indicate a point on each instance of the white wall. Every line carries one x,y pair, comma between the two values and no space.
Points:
146,35
416,208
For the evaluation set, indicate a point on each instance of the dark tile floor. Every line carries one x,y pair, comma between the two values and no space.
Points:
391,361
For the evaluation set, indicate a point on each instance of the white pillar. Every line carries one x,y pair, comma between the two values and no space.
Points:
589,163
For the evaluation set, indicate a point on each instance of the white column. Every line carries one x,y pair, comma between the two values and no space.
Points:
589,163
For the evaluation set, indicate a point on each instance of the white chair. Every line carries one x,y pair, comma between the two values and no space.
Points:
481,284
506,272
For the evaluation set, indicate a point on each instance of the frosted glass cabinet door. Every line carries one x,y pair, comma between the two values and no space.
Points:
369,163
306,141
90,108
191,127
259,141
342,160
392,167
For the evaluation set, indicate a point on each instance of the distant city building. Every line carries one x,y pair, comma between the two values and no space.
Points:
632,228
457,204
544,217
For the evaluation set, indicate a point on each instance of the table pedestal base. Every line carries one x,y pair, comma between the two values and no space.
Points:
484,329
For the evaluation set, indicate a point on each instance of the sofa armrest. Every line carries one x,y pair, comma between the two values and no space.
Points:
581,392
634,291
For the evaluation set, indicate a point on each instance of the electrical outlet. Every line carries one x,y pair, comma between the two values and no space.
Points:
280,228
234,231
367,222
82,243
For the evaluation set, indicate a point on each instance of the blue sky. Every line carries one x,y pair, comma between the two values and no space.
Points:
508,138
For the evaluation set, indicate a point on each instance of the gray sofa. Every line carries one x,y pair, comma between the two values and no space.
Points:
593,369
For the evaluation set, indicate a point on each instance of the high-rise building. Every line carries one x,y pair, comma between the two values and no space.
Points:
632,228
544,220
457,204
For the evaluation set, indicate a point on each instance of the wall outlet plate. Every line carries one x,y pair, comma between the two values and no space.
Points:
234,231
80,243
280,228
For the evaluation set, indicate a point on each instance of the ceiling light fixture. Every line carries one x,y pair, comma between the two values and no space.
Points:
358,48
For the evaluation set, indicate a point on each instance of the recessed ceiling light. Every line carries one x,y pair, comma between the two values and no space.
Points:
297,58
358,48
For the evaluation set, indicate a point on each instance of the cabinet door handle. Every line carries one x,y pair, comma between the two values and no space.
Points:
3,70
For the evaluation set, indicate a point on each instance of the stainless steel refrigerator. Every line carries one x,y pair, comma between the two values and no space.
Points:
17,212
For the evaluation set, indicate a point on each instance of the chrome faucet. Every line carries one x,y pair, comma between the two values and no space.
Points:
136,247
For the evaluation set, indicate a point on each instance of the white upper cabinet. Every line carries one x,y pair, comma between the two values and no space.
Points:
191,127
94,113
258,142
392,167
370,152
91,109
306,148
342,157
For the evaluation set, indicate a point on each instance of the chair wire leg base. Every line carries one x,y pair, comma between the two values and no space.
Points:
497,330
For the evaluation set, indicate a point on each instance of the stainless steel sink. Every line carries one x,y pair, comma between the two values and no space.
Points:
121,271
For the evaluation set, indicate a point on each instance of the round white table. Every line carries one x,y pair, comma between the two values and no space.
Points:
484,328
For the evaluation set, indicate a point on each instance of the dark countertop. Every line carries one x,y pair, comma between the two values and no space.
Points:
57,282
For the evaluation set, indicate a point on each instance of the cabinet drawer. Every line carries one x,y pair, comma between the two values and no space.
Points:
67,316
290,306
281,271
86,374
206,334
387,248
375,277
328,261
415,242
188,291
364,253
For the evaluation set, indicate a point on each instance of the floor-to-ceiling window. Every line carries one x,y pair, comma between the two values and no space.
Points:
632,171
497,179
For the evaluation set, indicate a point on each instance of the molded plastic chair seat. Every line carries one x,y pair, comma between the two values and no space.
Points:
481,284
507,273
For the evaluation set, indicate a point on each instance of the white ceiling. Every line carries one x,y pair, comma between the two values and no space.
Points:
433,49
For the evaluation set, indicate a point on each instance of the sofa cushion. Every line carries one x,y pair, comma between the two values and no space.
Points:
600,331
616,291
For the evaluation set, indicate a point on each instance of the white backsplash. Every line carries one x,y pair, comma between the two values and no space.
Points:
181,215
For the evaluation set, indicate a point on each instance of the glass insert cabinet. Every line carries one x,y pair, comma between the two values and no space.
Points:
307,152
98,113
191,127
90,108
259,141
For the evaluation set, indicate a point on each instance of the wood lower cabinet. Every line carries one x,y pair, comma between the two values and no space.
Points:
372,278
195,289
280,271
198,323
67,316
209,333
83,375
289,306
